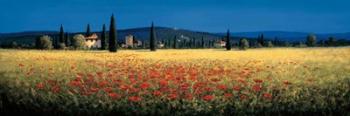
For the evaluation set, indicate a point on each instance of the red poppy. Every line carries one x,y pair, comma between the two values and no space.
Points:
40,85
258,80
108,89
172,96
185,86
267,96
188,96
56,89
90,75
134,98
154,74
145,85
228,95
208,97
103,83
99,74
21,65
243,97
222,87
209,89
257,88
163,83
286,82
93,89
114,95
236,88
215,79
75,83
157,93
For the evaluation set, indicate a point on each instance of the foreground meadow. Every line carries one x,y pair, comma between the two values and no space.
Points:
177,82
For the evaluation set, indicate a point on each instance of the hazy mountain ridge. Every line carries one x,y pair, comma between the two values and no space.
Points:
291,36
165,33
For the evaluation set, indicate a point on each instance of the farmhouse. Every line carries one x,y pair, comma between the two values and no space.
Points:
92,41
131,42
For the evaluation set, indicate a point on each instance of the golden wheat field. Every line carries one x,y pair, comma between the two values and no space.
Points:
177,82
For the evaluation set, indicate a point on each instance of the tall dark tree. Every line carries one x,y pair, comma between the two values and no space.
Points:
261,40
228,42
67,40
88,30
331,41
61,38
202,42
103,37
175,42
153,38
112,36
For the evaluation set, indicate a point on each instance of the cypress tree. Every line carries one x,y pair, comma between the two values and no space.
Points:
112,36
261,40
175,41
103,37
228,43
67,40
61,38
194,43
153,38
203,42
38,43
88,31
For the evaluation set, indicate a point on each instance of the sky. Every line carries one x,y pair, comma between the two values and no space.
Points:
317,16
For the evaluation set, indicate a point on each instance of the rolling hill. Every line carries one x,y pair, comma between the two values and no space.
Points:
165,33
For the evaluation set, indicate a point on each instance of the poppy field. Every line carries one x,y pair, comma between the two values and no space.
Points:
177,82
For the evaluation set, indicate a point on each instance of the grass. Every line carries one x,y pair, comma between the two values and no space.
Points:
177,82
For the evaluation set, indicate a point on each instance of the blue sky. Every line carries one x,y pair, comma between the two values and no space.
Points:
319,16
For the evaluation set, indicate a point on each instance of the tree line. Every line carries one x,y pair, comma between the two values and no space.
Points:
111,42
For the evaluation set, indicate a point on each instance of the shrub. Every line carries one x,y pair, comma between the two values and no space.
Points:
269,44
62,46
243,44
14,45
78,41
44,42
311,40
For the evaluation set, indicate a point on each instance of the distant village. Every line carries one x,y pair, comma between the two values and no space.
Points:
130,42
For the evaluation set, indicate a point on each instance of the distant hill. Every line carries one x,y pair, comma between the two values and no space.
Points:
165,33
290,36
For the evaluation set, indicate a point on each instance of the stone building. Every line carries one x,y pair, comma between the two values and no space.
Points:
92,41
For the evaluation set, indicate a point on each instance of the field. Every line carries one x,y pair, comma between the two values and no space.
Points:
177,82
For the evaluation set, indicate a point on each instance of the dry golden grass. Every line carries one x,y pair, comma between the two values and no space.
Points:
306,78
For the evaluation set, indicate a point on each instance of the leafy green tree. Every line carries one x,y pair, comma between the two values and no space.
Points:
331,41
243,44
311,40
153,38
269,44
14,44
44,42
228,43
103,37
78,41
112,46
